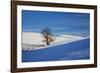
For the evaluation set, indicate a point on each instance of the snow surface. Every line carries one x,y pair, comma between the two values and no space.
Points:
33,41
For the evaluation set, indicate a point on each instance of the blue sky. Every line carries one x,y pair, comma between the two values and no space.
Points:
59,22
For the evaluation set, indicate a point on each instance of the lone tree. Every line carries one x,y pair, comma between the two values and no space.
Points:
48,36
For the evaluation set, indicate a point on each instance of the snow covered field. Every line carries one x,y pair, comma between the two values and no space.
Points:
33,41
65,47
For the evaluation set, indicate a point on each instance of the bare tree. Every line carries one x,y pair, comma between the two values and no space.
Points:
48,36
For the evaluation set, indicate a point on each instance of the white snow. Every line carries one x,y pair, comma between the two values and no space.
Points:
31,40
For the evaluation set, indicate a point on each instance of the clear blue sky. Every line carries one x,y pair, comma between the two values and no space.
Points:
58,22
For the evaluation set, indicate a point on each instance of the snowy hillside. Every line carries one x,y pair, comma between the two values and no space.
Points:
34,40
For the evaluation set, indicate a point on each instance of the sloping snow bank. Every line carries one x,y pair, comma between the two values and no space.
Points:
33,41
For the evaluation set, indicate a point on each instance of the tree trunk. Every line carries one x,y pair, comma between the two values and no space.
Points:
47,40
48,43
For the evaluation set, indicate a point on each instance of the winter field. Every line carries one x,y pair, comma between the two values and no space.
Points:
65,47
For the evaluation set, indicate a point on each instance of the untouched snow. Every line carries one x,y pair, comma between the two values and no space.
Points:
31,38
34,41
